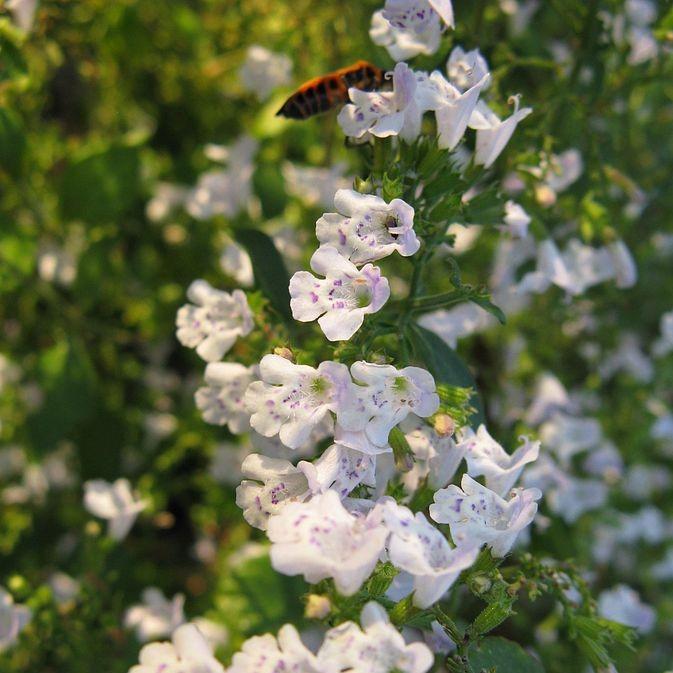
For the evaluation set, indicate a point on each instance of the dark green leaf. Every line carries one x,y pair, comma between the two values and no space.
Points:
12,63
68,379
488,305
12,141
270,272
445,365
485,208
503,656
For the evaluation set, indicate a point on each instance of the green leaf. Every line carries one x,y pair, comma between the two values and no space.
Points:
393,188
17,260
485,208
502,656
445,365
269,268
253,598
68,379
485,302
12,63
12,141
101,187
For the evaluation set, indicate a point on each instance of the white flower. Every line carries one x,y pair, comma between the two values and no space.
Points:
628,357
156,617
626,273
291,399
224,192
63,587
453,109
416,14
457,323
493,134
663,570
376,648
56,265
550,396
236,262
271,484
315,186
388,395
213,321
562,170
550,269
566,495
384,113
23,12
485,457
403,44
622,604
520,13
320,539
189,652
166,198
215,634
13,619
341,469
113,502
340,301
568,436
408,27
266,654
466,68
664,344
263,71
516,220
420,549
365,228
436,458
220,401
477,514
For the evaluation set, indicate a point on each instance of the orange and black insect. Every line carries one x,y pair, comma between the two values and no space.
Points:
328,91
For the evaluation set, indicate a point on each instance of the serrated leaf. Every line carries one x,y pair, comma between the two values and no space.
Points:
270,273
502,656
445,365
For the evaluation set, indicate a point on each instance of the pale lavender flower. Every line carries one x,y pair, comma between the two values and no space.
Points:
365,228
493,134
189,652
213,321
485,457
320,539
341,300
114,502
476,514
420,549
220,401
376,647
384,113
13,619
387,395
291,400
156,617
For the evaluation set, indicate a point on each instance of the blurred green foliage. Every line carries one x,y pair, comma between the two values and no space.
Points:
103,99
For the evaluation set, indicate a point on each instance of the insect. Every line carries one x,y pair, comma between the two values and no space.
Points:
328,91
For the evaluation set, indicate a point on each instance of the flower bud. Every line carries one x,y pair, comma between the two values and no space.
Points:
545,196
284,352
444,425
317,607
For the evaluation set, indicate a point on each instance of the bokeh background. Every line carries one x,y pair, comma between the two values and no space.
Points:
100,102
